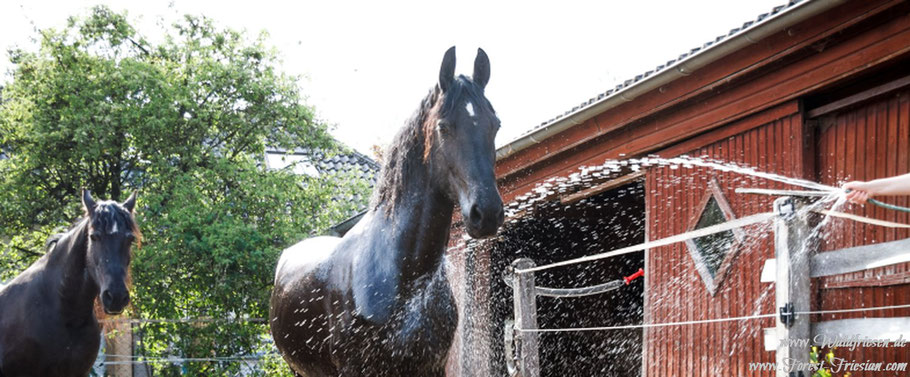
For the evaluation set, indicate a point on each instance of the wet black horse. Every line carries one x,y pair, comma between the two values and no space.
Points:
48,326
377,302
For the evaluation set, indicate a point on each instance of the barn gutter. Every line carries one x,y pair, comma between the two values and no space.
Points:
685,67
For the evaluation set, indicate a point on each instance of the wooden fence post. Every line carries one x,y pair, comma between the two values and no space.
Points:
792,288
119,342
524,292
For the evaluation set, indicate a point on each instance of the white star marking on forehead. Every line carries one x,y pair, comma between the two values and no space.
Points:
470,108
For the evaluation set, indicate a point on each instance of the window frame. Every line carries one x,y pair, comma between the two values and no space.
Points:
712,283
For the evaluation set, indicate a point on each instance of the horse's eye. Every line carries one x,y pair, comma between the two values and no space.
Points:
93,236
443,126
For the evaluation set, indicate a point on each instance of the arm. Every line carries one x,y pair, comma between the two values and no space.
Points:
862,191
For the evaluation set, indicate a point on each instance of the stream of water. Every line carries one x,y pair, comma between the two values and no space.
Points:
529,230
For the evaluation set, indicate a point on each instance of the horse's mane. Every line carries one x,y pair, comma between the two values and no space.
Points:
411,147
70,231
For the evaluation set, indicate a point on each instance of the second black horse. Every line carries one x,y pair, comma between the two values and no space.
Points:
48,326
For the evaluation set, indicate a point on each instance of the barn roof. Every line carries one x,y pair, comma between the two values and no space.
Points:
737,38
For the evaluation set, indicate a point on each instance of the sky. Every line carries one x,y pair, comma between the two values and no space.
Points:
365,65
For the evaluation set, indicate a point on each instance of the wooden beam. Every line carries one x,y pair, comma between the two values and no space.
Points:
860,258
848,260
897,278
884,329
792,286
769,271
770,339
524,295
606,186
860,97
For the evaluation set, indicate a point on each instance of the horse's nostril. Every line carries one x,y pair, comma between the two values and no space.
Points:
476,215
107,297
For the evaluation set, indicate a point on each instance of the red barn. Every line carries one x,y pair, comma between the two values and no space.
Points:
818,90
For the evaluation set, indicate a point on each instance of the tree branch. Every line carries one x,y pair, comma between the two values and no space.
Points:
23,250
137,45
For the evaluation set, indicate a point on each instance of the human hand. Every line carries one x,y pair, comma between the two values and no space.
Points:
858,192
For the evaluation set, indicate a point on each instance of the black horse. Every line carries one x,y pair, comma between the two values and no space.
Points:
377,302
48,326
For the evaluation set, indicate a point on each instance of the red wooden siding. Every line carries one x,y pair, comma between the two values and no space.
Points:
867,142
746,109
675,290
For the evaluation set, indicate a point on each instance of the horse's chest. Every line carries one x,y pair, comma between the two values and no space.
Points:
55,351
430,318
419,332
81,349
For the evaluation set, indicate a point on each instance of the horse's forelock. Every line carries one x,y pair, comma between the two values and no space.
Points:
461,91
111,215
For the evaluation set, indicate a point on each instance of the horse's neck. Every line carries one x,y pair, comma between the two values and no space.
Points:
67,275
420,222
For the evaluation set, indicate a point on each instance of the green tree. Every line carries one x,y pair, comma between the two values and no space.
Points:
185,121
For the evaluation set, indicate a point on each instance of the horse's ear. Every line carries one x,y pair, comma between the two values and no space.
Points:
88,202
130,202
447,72
481,68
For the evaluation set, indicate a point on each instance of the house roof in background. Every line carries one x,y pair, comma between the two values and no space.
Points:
349,161
315,162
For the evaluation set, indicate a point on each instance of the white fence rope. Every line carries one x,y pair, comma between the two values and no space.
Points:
650,325
175,358
706,231
697,322
181,320
163,360
182,360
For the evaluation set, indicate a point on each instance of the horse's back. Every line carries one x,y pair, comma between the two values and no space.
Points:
303,257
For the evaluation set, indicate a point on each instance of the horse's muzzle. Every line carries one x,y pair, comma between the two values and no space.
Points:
114,302
483,221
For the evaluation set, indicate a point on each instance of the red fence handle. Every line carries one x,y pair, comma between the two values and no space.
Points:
636,275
